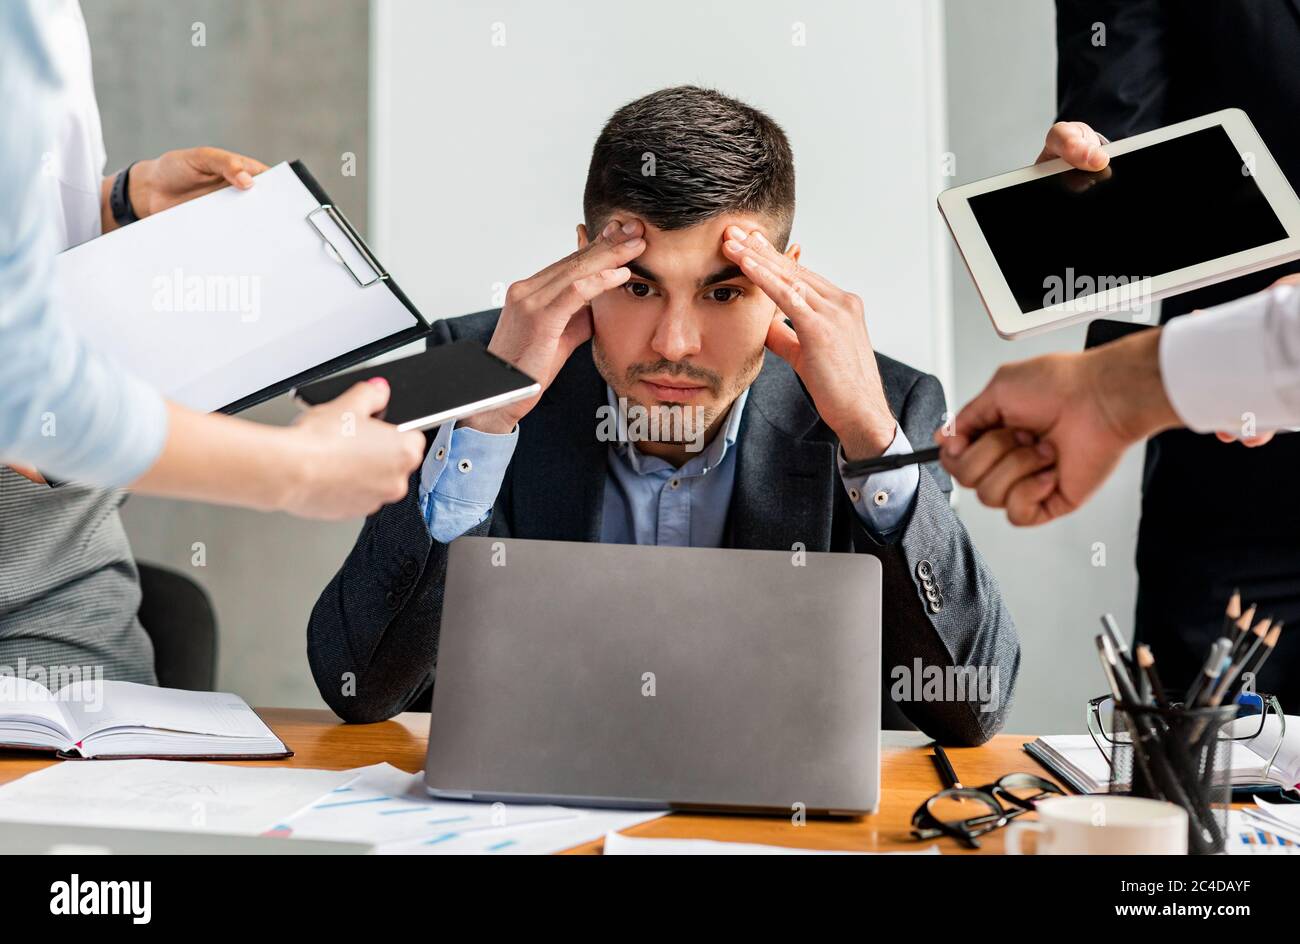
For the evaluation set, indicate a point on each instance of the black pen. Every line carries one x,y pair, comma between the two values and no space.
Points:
946,773
886,463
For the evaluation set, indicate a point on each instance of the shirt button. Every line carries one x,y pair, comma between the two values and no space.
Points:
854,495
880,497
674,483
441,453
464,465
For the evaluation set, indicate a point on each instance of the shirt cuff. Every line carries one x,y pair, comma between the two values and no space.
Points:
1216,366
883,499
461,478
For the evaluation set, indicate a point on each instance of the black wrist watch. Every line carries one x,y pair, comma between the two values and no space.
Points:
119,199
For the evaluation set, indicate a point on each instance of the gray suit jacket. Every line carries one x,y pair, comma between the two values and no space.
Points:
373,636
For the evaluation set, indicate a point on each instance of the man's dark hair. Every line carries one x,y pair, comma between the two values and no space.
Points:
683,155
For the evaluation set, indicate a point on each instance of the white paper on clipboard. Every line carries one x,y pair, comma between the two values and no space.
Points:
233,292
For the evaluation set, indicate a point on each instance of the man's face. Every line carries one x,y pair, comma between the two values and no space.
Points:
687,328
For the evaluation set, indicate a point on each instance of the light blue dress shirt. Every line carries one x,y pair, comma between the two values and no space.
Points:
63,408
647,500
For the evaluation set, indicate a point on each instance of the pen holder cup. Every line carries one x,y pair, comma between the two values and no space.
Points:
1182,755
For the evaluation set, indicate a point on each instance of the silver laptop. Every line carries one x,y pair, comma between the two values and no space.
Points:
626,676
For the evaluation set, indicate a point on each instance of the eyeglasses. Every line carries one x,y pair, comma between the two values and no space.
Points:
966,813
1253,709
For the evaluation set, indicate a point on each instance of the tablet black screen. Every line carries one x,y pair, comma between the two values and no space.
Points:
1153,210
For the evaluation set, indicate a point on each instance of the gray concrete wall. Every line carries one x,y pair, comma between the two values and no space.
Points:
276,80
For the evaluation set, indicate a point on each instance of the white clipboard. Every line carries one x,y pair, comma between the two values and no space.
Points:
237,296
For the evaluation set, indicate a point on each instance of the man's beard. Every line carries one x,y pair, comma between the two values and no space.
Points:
724,394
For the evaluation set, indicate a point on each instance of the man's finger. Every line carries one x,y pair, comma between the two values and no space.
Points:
581,292
616,232
980,414
982,455
1055,505
578,331
609,251
1025,498
798,300
1077,143
776,260
951,445
782,341
757,244
1016,465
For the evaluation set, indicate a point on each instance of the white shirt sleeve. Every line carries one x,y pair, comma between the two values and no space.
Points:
1236,367
64,408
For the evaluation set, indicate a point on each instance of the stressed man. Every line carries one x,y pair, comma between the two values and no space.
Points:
682,283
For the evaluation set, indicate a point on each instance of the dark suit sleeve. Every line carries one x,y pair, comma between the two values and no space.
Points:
372,640
1116,80
970,640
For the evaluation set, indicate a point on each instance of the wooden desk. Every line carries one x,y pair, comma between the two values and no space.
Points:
907,778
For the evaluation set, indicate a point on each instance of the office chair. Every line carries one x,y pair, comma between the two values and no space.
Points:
178,616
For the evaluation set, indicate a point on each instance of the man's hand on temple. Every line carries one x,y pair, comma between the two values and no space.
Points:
546,317
829,347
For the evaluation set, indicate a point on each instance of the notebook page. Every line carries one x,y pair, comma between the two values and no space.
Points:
23,698
1286,768
129,704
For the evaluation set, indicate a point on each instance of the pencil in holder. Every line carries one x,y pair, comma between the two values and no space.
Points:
1181,755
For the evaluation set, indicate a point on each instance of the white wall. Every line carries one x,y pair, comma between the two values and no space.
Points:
480,150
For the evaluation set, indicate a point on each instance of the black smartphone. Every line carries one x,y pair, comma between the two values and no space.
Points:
444,383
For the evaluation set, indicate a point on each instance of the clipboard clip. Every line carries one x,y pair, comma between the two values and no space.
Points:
346,245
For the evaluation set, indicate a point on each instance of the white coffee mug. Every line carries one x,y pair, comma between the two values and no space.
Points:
1103,825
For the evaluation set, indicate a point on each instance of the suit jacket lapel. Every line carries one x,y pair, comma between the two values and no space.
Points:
559,489
784,482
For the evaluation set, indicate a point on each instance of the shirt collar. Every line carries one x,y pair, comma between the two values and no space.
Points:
710,458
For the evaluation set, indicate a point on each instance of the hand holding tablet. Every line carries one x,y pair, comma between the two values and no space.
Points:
1169,211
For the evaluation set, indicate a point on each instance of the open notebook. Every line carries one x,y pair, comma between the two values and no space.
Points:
103,719
1075,759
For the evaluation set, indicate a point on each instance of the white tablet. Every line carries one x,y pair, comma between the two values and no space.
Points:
1177,208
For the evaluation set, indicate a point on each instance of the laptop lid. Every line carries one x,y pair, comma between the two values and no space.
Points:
632,676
